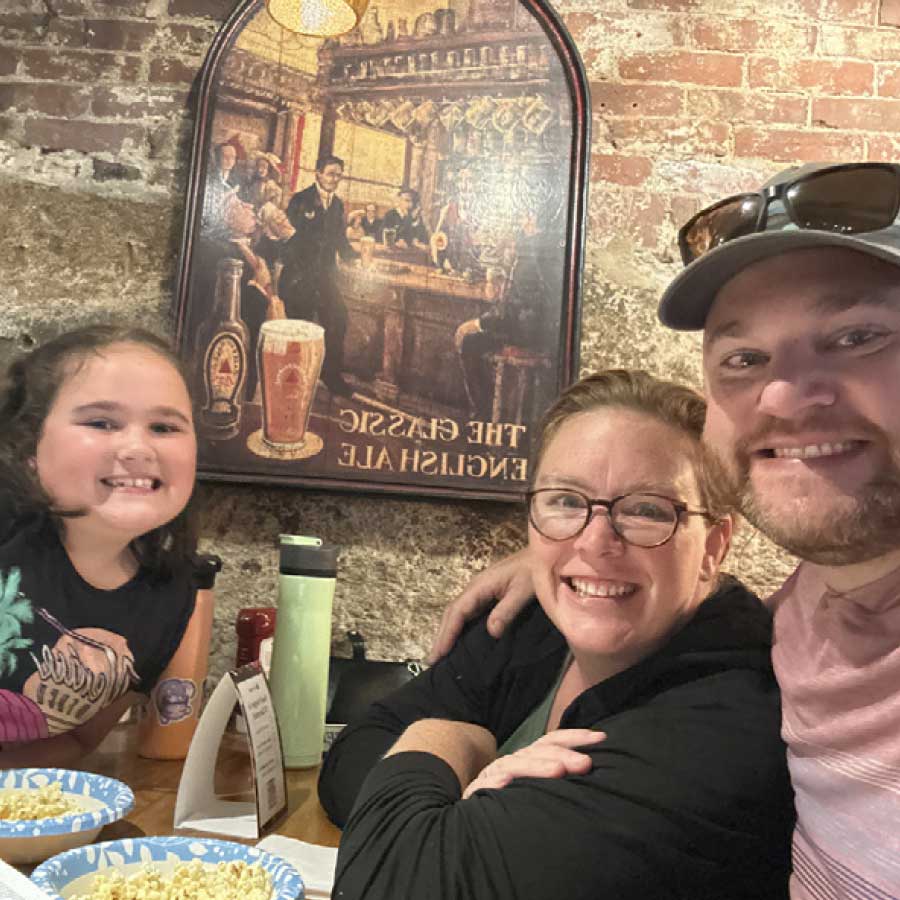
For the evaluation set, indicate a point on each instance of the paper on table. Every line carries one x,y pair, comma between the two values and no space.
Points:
314,863
228,817
15,886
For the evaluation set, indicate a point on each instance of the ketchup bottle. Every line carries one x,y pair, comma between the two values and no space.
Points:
255,627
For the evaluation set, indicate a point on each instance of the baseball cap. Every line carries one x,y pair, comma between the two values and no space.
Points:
688,299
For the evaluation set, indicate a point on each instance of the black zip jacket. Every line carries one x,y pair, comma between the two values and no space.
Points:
688,798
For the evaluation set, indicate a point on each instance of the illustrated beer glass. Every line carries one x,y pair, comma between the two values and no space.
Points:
367,249
290,359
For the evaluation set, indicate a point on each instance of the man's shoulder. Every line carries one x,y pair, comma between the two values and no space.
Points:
791,586
304,196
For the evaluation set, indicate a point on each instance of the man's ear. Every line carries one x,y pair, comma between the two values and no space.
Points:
718,541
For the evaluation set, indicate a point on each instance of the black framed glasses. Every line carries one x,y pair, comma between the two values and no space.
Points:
851,198
642,519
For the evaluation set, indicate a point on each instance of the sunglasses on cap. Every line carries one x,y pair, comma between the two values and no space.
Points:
852,198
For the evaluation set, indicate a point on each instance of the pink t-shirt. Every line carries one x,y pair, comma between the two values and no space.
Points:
837,658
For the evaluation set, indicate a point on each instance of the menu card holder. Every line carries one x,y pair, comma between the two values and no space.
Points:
197,806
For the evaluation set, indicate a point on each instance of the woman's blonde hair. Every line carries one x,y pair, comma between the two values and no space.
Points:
674,405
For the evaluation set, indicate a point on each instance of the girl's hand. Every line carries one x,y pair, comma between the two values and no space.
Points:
551,756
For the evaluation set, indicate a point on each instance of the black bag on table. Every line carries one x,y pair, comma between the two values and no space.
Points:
356,682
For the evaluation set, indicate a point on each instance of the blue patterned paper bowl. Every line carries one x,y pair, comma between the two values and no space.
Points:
102,799
73,872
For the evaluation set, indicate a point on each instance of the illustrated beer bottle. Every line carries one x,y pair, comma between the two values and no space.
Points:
222,343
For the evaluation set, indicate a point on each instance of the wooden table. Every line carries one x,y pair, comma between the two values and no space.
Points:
155,785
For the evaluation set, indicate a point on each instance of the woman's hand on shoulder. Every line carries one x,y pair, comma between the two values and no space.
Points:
508,581
553,755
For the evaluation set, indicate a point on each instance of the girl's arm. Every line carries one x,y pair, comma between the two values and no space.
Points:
69,748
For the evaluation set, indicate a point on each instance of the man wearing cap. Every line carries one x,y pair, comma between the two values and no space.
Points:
797,290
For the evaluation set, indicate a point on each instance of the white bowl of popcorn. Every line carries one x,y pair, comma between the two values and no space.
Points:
46,811
168,867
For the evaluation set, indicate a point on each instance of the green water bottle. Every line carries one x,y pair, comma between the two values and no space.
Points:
302,646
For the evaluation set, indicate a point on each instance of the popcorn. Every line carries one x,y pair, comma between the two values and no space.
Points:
194,880
37,803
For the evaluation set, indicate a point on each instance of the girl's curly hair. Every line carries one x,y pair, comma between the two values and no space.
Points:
28,390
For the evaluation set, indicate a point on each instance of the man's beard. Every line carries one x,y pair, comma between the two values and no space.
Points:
852,528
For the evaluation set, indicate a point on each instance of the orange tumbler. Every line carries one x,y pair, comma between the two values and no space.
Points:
171,716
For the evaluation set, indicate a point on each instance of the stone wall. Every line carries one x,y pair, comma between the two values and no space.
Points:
692,99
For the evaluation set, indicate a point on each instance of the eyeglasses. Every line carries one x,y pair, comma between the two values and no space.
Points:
645,520
847,199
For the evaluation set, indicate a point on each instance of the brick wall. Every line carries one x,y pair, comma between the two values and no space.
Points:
691,102
111,80
692,99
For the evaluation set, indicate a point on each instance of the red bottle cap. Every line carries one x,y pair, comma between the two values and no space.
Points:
253,625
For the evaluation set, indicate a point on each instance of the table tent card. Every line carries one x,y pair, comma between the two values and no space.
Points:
197,806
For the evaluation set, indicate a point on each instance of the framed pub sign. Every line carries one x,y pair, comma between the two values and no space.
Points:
380,274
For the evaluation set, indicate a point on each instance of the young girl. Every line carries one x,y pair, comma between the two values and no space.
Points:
97,464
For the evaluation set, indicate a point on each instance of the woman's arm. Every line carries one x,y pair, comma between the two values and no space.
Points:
459,688
553,755
471,751
688,797
69,748
466,748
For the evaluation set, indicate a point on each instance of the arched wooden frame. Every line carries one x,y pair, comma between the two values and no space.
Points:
473,115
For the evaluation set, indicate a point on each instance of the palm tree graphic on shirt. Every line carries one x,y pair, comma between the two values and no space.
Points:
15,611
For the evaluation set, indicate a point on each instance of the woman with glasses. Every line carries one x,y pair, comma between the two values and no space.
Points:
621,740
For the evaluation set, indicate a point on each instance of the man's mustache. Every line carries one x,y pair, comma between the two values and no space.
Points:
771,430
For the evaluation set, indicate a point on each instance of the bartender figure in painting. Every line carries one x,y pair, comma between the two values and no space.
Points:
308,285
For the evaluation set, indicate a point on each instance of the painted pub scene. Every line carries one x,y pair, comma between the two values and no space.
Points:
376,284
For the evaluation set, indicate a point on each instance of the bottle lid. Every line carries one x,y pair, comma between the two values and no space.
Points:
206,566
299,540
307,556
253,620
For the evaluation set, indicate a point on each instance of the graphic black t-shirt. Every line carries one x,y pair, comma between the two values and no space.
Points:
67,649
